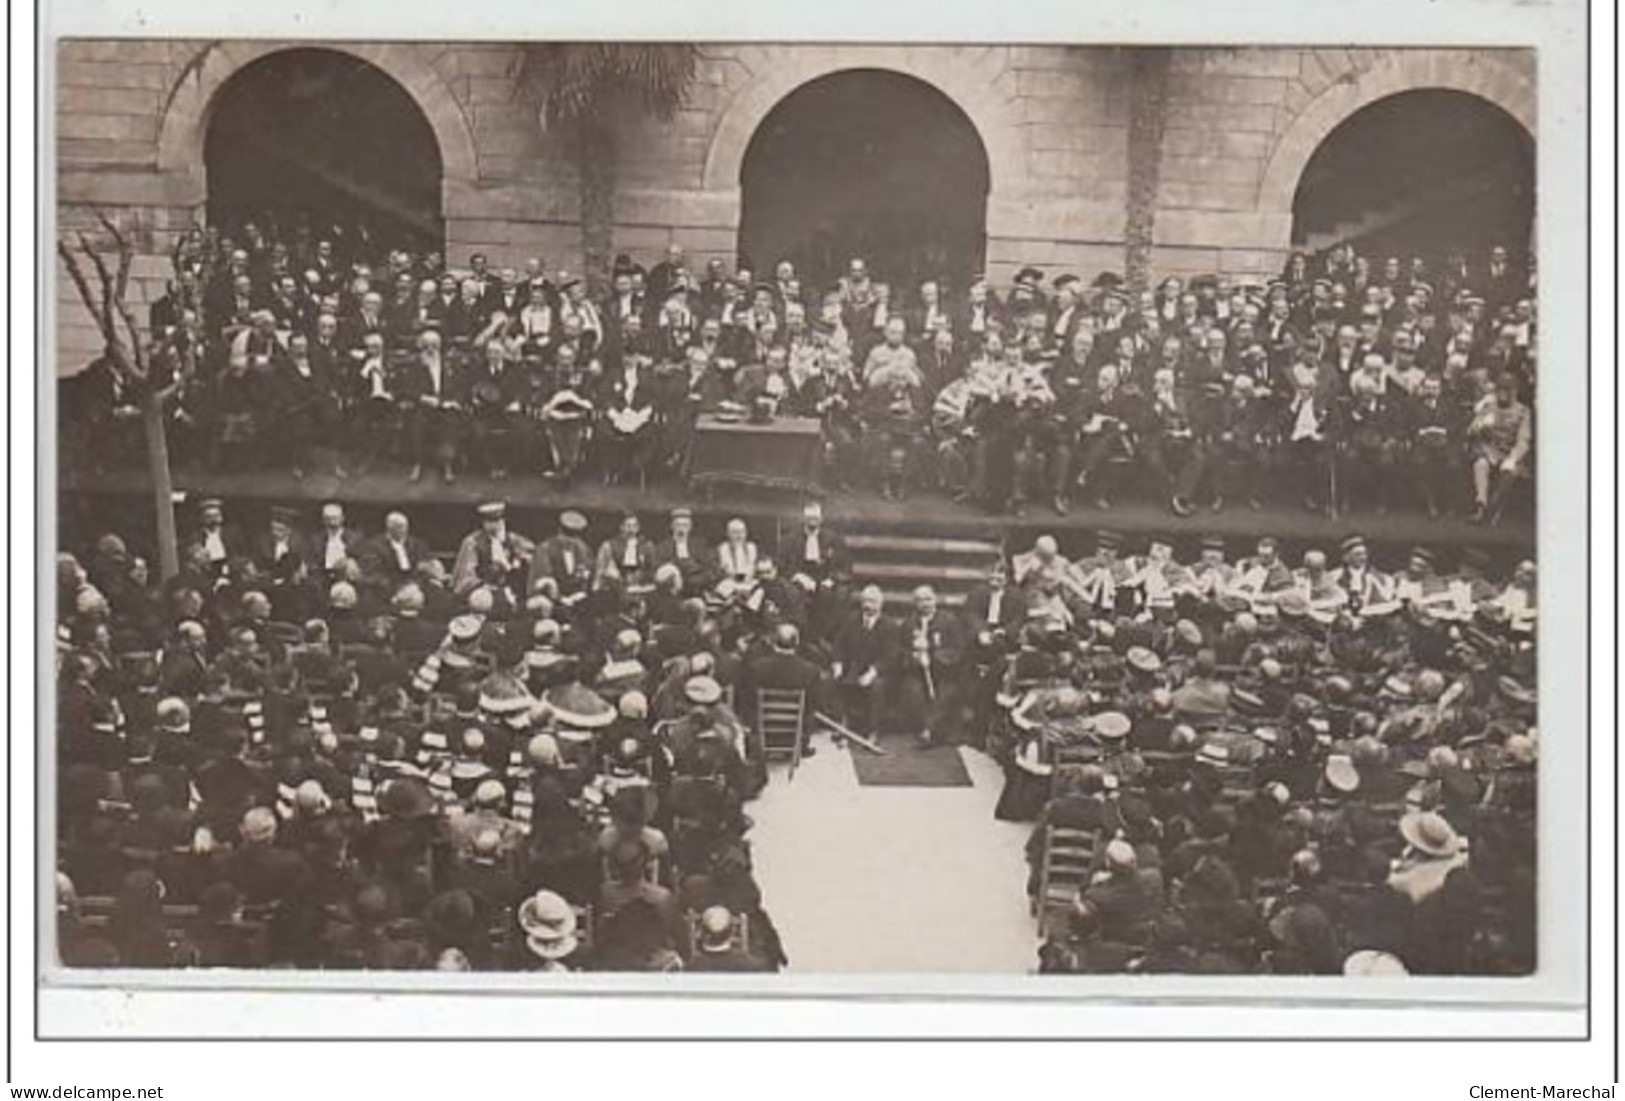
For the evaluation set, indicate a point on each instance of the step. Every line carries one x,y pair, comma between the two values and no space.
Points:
925,572
919,544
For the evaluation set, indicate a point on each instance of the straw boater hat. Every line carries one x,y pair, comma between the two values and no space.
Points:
1372,963
1431,833
702,690
1111,726
1143,659
1341,775
549,925
464,628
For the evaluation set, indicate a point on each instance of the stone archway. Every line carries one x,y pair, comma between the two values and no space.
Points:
1499,82
976,80
866,162
192,100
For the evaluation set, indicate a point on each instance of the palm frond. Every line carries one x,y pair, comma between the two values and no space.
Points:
573,81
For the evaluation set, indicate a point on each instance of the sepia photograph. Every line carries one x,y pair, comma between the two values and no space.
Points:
795,508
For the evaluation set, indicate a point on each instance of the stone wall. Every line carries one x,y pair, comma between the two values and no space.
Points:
1240,126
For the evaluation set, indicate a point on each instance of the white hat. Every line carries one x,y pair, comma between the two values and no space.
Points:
549,924
702,689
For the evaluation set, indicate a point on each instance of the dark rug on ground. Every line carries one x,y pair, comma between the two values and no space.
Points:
908,764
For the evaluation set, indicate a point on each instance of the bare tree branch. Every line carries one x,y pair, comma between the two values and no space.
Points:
77,274
102,273
125,254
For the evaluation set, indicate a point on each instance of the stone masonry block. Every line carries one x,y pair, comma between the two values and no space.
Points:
81,100
1210,170
1222,116
1262,61
82,153
1184,261
1176,194
113,74
1055,83
99,127
1241,144
1250,260
126,49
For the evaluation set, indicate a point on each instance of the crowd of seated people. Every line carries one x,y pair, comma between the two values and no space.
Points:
1342,384
1269,767
317,746
323,749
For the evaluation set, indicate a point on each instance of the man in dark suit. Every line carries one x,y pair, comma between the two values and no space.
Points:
817,561
863,651
497,394
436,391
334,543
391,558
214,543
280,555
415,636
566,559
627,560
992,618
978,315
1502,282
626,404
929,659
622,302
685,550
781,667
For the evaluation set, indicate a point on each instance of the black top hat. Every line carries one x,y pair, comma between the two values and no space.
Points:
1029,275
1213,542
283,515
1064,281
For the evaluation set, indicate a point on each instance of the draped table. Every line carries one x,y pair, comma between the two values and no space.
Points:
781,454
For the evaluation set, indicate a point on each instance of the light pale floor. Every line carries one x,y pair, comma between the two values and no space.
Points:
892,879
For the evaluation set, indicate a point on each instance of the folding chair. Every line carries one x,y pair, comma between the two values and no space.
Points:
781,720
1069,859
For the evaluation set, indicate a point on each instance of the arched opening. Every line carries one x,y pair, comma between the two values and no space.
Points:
1421,172
871,163
316,137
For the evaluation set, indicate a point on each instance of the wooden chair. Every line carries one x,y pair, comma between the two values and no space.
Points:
96,911
781,720
1069,859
